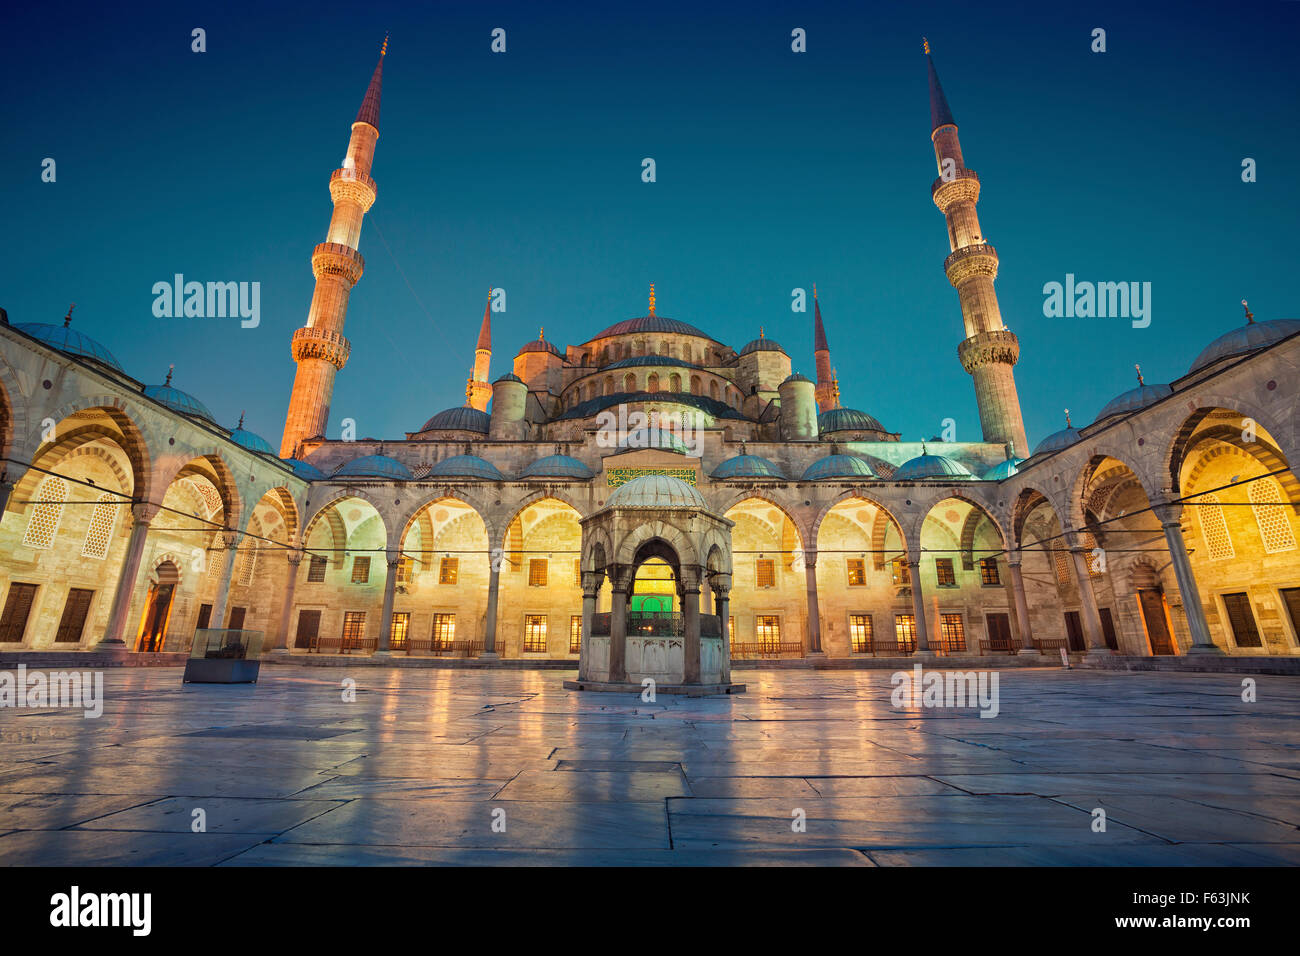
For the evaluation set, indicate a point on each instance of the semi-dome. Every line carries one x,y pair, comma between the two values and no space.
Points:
656,491
71,341
796,377
838,466
642,361
466,466
178,401
1003,470
557,466
374,466
931,466
761,344
847,420
650,323
540,344
246,439
1247,338
303,470
463,418
747,466
1066,437
653,438
1134,400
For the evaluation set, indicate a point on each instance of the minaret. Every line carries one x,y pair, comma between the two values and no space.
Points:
828,388
319,348
478,392
990,349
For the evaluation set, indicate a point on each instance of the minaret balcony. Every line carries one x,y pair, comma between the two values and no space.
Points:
320,344
975,260
336,259
351,185
998,347
964,186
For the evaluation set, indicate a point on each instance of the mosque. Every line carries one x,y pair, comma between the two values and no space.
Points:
653,502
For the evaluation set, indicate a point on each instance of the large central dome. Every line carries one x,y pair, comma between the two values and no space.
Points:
651,323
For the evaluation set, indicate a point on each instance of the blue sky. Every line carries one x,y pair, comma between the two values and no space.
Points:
775,170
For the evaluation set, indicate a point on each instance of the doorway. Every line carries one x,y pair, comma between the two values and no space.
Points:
158,608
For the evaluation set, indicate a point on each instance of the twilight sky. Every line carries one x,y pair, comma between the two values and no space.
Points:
775,170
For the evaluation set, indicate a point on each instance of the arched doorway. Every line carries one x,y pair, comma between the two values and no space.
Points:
158,608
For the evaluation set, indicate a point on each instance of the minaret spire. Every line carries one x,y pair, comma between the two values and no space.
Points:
989,350
477,390
319,347
827,391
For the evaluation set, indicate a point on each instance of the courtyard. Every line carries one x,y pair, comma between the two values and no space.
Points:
481,767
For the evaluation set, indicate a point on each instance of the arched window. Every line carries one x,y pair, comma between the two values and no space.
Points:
652,383
695,385
674,382
609,384
44,521
1270,515
1214,528
629,382
713,390
100,532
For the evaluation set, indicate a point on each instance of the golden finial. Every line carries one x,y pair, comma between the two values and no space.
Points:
384,49
1067,419
925,45
814,290
652,298
67,319
469,391
760,331
170,369
1139,371
1250,316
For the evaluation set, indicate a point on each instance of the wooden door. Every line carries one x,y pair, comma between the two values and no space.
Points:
73,621
1108,629
308,628
1074,631
1152,601
18,605
999,626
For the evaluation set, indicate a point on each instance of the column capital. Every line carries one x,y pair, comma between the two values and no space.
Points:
720,582
1013,557
229,539
143,512
591,582
293,557
809,557
1169,512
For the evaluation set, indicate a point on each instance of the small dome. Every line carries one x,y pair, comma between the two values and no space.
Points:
1135,399
650,323
557,466
246,439
374,466
509,377
656,491
653,438
931,466
643,361
1057,440
303,470
1247,338
838,466
540,344
796,377
178,401
1003,470
463,418
747,466
761,344
847,419
71,341
466,466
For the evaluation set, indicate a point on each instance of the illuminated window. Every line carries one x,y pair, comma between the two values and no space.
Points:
731,626
316,572
944,573
766,572
537,572
989,572
44,522
405,565
401,625
216,559
354,625
534,633
767,631
1214,528
857,569
100,532
952,632
1062,565
444,631
902,573
448,569
247,565
361,569
905,631
577,573
1270,515
860,633
575,634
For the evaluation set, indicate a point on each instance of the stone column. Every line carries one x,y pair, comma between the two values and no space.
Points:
722,607
620,581
814,614
222,597
292,559
1022,604
1091,617
1170,520
490,628
918,609
142,515
391,559
691,615
591,581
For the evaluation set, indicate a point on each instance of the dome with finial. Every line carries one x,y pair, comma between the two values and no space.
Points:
374,466
838,466
1135,399
925,466
246,439
303,470
1244,339
1004,470
847,420
461,418
1066,437
176,400
540,344
762,344
466,466
66,339
747,466
656,491
557,466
